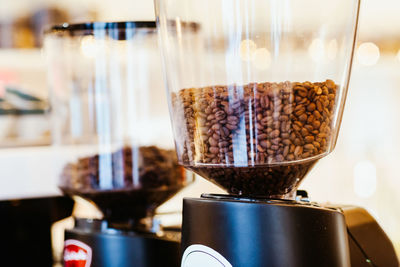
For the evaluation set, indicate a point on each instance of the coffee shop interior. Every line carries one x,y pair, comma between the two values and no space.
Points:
361,170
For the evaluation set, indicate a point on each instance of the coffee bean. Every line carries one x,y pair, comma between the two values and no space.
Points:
285,151
213,142
210,117
204,130
214,150
309,146
216,127
309,127
319,106
296,127
233,120
309,139
298,123
290,157
260,149
297,141
220,115
262,136
323,142
304,132
223,144
285,135
274,133
301,91
316,114
303,117
231,126
276,141
286,142
225,132
330,84
288,109
265,144
300,111
316,124
298,151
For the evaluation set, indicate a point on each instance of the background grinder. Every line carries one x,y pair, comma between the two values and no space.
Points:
256,97
105,79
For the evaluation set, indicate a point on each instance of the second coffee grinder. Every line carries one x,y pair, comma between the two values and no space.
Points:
110,120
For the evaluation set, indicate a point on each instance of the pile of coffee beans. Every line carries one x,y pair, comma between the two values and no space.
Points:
128,182
142,168
256,125
276,181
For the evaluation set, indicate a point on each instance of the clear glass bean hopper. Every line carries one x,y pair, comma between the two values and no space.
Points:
257,93
110,113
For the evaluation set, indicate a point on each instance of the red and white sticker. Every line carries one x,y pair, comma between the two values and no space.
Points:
77,254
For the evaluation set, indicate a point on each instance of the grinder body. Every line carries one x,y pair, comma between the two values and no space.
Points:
225,231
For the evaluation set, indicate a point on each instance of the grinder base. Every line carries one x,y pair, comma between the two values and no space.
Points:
92,243
224,231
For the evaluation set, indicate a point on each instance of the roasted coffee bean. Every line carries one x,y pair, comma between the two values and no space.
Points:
274,147
276,141
213,150
298,151
286,142
220,115
319,106
262,136
286,151
296,127
285,135
316,124
231,126
274,134
213,142
265,144
303,117
309,139
297,141
309,147
216,127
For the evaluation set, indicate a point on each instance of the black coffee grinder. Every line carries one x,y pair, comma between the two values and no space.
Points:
110,119
256,99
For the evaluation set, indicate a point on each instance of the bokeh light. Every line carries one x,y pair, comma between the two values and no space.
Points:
368,54
247,50
262,58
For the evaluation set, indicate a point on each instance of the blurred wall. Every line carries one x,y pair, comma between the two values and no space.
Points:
363,168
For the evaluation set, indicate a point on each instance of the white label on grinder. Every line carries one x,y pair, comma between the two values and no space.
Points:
201,256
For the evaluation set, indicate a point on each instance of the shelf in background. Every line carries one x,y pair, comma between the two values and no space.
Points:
22,59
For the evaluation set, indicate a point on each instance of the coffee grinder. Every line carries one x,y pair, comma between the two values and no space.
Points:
110,119
256,98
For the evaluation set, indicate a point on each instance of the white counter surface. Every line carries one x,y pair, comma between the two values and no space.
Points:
29,172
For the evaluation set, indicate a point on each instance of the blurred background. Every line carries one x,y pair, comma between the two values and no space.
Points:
362,170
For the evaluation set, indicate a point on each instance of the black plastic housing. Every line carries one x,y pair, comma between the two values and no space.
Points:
115,248
273,233
25,229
